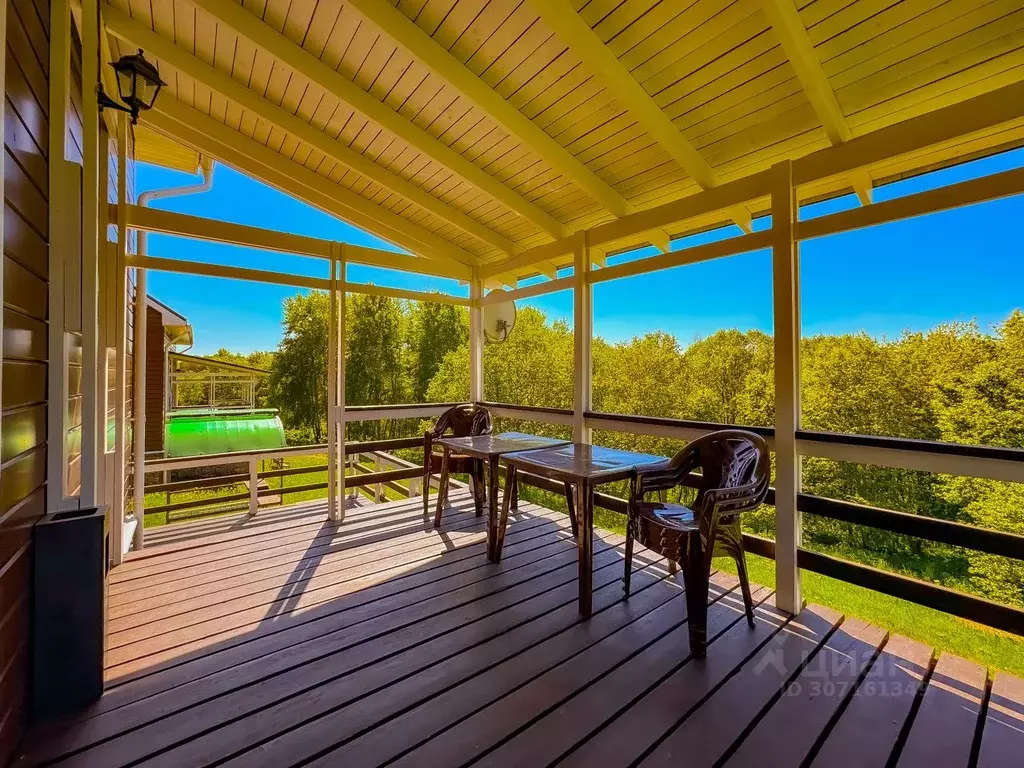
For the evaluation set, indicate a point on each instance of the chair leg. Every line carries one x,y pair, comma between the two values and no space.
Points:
572,511
442,490
748,602
729,541
515,492
628,559
696,583
426,492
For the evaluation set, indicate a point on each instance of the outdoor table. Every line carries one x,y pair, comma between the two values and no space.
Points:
489,449
582,467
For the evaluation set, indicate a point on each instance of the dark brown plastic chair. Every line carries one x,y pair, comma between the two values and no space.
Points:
734,467
461,421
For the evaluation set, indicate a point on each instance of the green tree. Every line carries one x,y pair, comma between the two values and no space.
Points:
298,381
374,371
433,331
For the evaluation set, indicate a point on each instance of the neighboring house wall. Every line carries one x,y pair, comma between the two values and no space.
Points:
156,381
25,271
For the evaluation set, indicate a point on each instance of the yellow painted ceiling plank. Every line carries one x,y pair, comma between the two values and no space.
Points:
407,34
299,60
126,28
200,131
560,16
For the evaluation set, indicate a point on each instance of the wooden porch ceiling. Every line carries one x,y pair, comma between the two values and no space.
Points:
470,130
289,640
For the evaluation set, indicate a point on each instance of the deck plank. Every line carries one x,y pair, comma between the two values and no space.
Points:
708,733
385,725
797,720
496,723
629,736
1004,723
570,721
880,707
942,732
253,707
164,718
387,641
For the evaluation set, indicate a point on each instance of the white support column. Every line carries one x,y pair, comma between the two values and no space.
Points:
139,407
120,300
583,331
333,448
339,421
61,243
92,230
476,339
786,281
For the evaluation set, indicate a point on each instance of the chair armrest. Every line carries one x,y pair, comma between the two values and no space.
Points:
660,477
743,495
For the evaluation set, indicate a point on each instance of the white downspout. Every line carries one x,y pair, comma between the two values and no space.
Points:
134,526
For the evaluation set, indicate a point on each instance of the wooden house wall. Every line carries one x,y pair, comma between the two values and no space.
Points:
25,308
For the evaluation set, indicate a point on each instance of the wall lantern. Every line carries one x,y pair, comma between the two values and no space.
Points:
138,83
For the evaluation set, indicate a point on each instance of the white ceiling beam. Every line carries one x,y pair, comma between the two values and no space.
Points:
122,26
406,34
251,27
211,137
599,61
796,43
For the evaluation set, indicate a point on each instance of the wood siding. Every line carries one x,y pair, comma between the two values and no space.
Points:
25,312
156,361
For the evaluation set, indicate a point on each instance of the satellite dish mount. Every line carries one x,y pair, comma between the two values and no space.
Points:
498,320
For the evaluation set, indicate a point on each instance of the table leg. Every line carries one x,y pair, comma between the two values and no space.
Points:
572,510
442,487
499,541
585,508
492,507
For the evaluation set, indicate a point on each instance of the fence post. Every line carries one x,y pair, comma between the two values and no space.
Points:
378,466
254,483
786,292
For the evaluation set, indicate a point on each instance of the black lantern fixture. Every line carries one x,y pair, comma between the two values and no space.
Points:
138,83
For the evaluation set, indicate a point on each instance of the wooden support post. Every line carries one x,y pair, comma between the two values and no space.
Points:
583,328
120,307
62,241
139,408
338,272
93,436
332,395
786,282
476,340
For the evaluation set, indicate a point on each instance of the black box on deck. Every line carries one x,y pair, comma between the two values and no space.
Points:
69,573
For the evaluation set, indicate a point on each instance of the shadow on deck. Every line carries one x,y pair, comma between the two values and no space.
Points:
286,639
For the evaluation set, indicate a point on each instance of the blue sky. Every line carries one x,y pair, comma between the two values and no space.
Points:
958,265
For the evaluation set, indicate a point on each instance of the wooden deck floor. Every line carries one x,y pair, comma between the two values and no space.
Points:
287,640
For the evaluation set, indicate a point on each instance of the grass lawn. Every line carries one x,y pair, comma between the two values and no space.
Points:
990,647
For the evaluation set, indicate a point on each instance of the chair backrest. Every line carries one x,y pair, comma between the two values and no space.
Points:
463,421
734,464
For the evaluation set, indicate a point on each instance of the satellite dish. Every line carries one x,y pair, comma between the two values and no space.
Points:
498,320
